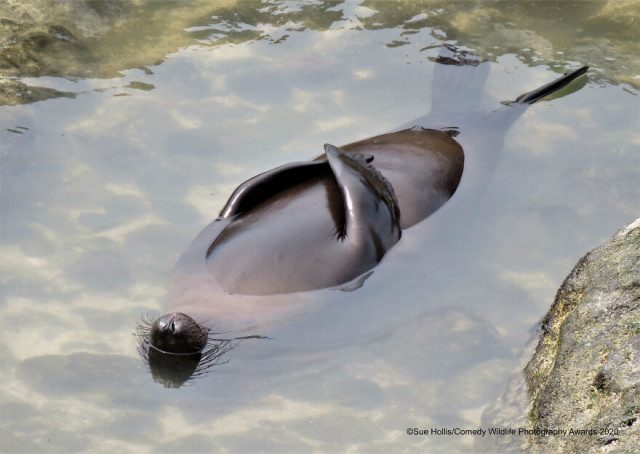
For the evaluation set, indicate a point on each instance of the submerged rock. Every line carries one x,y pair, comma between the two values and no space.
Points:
584,377
104,38
14,92
33,50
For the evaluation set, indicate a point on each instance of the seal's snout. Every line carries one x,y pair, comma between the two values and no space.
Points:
168,327
178,333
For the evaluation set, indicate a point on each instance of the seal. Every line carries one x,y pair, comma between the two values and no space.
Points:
326,223
342,212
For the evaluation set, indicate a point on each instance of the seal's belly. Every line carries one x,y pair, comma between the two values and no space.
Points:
290,242
287,244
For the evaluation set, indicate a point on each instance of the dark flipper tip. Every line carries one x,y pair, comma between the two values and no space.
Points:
552,87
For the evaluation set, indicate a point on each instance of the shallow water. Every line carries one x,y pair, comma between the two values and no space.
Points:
101,194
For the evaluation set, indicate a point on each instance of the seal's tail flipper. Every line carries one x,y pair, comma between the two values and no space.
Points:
552,87
458,85
457,89
489,132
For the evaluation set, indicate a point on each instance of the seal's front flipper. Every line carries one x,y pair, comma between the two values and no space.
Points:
355,284
264,186
261,187
371,213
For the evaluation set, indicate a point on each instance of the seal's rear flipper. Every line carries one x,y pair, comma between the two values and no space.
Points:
552,87
371,213
458,86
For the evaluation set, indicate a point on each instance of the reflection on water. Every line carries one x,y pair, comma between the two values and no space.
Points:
89,38
101,194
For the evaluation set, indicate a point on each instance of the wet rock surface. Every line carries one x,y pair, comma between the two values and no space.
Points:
585,373
87,38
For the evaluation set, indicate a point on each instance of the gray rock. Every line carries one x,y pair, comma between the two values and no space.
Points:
585,373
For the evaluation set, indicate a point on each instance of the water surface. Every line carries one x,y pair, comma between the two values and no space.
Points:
101,192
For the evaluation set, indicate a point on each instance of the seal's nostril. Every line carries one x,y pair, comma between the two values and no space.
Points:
173,326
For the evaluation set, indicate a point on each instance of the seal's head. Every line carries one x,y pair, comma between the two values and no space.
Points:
177,349
178,333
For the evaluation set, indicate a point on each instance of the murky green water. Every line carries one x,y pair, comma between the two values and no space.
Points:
169,107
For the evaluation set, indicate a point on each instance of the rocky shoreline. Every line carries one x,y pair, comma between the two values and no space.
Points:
580,392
